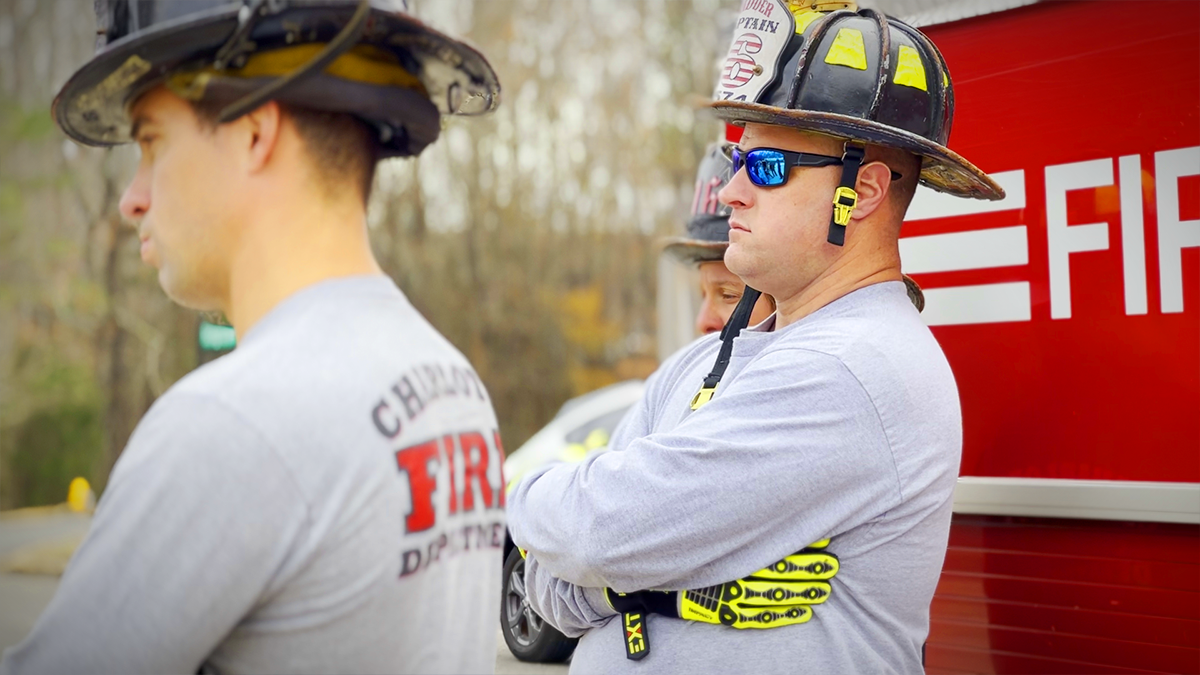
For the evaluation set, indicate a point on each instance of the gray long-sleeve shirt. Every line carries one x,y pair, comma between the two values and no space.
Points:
326,498
845,424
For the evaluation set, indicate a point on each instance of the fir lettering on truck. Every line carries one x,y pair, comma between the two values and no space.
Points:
1134,201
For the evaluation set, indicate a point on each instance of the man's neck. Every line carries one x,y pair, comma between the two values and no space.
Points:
292,249
860,267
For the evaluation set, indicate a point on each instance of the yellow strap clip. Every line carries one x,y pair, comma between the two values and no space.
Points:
703,396
844,201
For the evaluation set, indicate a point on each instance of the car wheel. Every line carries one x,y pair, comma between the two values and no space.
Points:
527,635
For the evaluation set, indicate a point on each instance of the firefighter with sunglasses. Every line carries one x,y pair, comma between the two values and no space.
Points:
703,244
689,547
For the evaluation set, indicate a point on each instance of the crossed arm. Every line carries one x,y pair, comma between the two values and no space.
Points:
781,458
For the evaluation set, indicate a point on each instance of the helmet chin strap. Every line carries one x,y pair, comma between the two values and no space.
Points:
845,198
737,322
844,201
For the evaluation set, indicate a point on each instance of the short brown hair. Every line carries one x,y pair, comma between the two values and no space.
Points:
343,148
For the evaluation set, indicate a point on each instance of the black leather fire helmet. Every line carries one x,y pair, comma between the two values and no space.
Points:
706,234
368,58
853,74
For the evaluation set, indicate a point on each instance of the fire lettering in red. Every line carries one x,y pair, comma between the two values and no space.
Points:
475,465
421,483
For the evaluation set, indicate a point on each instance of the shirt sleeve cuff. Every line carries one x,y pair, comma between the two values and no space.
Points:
594,599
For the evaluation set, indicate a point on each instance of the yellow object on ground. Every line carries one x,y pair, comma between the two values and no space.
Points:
80,497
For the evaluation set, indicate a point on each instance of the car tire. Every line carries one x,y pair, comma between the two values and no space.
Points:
527,635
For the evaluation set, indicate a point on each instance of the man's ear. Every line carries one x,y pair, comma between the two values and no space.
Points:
874,181
263,125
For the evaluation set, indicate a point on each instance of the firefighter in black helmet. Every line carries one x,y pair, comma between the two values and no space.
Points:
689,546
275,510
703,245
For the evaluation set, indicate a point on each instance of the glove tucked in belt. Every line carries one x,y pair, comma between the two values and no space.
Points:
777,595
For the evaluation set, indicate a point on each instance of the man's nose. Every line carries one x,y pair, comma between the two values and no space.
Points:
135,202
708,320
738,192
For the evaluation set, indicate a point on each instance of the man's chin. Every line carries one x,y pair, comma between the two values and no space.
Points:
186,294
736,261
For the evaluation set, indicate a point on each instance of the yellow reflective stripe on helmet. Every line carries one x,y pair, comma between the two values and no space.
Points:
910,72
805,18
848,50
364,63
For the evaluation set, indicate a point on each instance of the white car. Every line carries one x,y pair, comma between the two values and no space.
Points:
582,425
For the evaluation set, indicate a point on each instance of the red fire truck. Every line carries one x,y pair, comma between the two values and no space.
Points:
1070,314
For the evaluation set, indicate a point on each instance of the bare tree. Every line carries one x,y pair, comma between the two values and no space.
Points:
528,237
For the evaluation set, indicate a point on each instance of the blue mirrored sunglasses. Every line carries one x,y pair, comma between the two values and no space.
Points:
770,167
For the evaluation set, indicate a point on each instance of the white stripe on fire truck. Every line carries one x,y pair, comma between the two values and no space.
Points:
987,303
970,250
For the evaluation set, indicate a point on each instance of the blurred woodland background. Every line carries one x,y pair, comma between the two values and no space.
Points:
528,237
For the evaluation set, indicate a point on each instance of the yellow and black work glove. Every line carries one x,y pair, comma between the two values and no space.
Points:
778,595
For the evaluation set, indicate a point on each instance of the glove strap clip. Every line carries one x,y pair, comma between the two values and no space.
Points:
637,636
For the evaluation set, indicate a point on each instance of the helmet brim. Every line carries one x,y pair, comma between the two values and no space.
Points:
695,251
915,295
942,169
92,107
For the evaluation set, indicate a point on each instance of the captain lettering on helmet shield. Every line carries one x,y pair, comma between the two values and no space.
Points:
327,497
792,481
